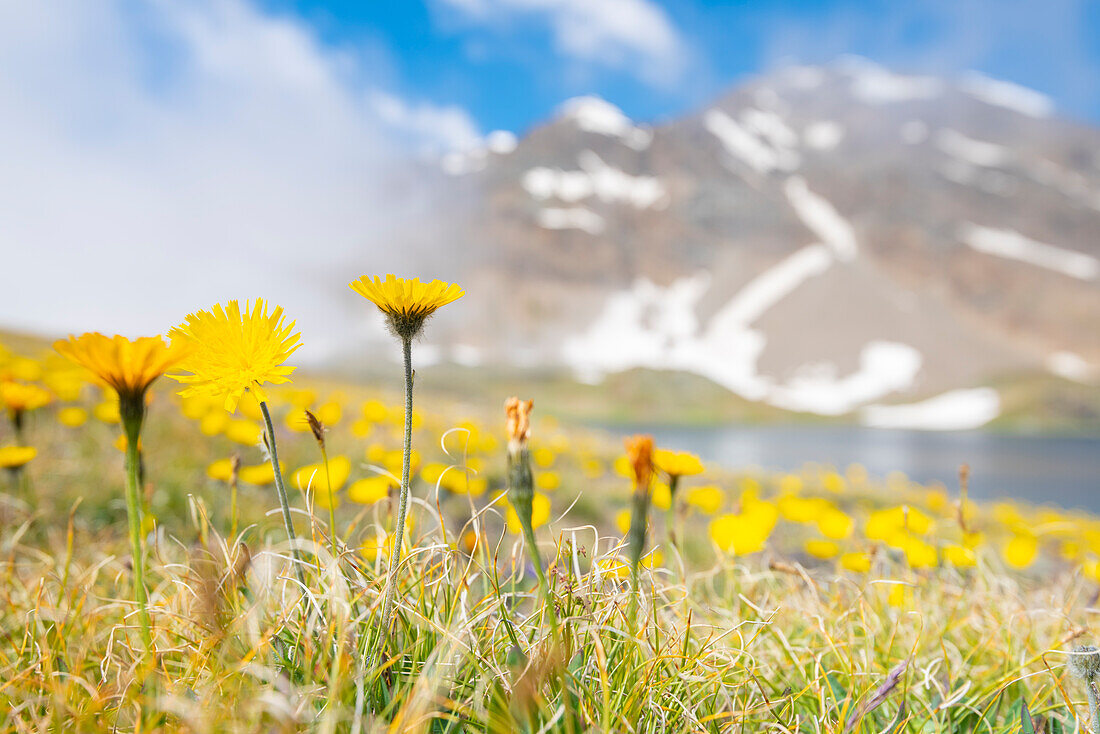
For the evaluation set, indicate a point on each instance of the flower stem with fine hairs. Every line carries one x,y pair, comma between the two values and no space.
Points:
280,488
132,414
403,502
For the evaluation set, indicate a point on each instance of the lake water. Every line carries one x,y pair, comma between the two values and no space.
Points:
1063,470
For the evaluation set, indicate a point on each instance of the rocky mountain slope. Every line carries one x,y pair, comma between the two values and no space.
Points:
830,240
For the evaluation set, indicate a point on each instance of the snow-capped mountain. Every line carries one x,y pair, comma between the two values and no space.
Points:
830,240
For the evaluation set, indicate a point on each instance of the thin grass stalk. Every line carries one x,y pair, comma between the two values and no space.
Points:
403,501
331,505
280,489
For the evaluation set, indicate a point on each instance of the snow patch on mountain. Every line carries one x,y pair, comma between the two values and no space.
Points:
978,152
875,84
884,367
1010,244
1006,94
595,115
773,285
570,218
821,218
955,410
1071,366
475,158
823,135
638,327
755,140
595,178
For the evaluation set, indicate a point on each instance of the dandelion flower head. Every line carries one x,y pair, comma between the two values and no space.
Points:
406,302
129,367
232,351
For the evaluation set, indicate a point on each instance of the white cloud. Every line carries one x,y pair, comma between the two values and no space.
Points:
159,157
632,35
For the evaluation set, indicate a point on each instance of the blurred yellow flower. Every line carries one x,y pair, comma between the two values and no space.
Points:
314,478
129,367
708,499
548,481
231,351
745,532
368,490
959,556
834,524
13,457
244,432
885,524
677,463
259,475
214,423
543,457
540,514
222,470
823,549
107,412
329,413
856,562
19,397
1021,550
790,484
72,416
622,521
661,495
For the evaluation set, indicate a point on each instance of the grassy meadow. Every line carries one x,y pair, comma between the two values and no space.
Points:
819,601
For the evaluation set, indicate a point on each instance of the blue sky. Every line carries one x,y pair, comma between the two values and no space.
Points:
510,62
261,147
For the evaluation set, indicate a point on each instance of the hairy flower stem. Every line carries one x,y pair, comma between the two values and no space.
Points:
280,488
521,493
403,502
132,416
1094,705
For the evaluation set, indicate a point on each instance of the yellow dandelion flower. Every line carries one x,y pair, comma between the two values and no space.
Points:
707,500
823,549
222,470
856,562
259,475
72,417
1021,550
960,556
314,478
834,524
18,397
13,457
369,490
548,481
406,303
540,514
244,432
233,351
129,367
661,496
677,463
622,521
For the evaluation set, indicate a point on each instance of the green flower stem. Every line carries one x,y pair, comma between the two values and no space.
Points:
674,529
636,542
1094,705
280,488
132,419
403,502
522,495
331,504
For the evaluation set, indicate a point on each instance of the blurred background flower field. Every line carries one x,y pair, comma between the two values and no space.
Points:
815,600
